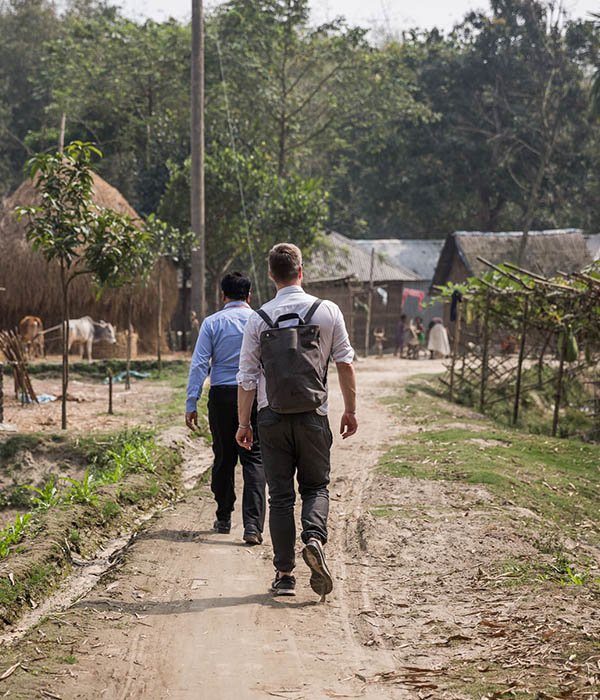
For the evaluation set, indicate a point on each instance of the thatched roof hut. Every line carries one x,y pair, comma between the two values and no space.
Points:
33,286
545,254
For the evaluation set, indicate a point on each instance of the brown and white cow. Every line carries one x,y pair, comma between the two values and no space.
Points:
32,332
85,331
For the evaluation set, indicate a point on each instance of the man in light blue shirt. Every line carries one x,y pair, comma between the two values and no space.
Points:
217,353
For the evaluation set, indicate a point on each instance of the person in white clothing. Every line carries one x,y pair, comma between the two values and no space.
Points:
295,443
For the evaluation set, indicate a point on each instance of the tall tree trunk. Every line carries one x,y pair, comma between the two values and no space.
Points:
197,168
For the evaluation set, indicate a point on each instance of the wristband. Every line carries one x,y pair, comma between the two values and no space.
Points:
353,412
243,427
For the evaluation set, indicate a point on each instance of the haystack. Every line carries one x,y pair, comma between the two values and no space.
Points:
33,286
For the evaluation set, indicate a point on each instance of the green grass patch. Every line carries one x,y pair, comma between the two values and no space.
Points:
559,479
30,586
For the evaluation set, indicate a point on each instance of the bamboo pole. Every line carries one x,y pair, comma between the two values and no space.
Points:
159,320
484,352
559,380
1,393
128,363
520,361
369,304
110,391
455,349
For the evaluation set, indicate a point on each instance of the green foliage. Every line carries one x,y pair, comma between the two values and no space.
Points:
277,209
47,496
12,533
110,510
83,491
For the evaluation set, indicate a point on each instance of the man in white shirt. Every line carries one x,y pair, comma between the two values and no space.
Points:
296,443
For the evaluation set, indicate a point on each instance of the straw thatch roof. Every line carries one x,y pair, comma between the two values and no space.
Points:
545,254
33,286
342,258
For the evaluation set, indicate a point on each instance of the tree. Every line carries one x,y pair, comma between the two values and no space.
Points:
167,242
241,232
67,227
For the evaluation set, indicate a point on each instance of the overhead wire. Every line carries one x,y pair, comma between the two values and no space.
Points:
237,169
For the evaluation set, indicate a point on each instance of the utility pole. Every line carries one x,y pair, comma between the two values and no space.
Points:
197,169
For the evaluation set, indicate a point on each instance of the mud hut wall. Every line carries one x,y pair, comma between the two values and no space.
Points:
382,316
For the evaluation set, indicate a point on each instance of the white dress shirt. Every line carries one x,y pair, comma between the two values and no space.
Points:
293,299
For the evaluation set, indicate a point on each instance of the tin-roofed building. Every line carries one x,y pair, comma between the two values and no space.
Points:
341,272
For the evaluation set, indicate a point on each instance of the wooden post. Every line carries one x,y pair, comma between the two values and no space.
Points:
559,379
197,167
520,361
61,132
351,313
159,321
128,364
1,393
369,304
484,353
110,391
455,348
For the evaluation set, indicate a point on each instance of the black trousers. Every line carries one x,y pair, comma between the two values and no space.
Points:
296,444
223,420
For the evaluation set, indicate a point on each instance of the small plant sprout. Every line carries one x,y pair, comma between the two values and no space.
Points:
83,491
47,496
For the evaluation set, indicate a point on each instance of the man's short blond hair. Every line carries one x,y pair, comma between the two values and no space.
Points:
285,262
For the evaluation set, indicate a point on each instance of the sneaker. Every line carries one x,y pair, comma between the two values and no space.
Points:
252,537
222,526
314,556
284,584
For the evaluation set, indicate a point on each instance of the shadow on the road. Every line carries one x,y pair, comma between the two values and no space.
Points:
193,536
194,605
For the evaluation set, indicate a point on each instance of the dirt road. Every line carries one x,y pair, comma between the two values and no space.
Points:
189,615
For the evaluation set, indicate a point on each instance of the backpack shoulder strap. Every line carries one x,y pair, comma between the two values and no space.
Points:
311,311
265,318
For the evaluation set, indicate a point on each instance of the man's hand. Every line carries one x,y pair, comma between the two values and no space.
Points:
191,420
245,438
349,425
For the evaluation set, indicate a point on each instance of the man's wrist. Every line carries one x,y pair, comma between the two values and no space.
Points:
347,411
244,427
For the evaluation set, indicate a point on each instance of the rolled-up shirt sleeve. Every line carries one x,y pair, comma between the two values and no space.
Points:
249,371
199,368
341,350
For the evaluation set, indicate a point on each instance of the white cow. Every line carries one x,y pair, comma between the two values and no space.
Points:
86,331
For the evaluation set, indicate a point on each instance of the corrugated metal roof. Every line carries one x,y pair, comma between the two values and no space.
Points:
343,258
419,256
593,245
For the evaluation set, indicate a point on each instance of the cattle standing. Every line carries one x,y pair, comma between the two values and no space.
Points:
85,331
32,332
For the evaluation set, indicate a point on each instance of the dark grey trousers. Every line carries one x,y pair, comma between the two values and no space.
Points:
223,419
295,444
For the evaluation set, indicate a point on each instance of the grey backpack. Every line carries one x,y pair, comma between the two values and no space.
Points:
291,359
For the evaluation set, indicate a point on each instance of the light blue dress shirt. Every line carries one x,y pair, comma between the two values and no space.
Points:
217,350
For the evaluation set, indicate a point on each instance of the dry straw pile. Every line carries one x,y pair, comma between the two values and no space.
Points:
33,286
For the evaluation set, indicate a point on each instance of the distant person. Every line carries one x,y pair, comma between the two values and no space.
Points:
438,339
285,353
379,335
217,352
401,330
413,345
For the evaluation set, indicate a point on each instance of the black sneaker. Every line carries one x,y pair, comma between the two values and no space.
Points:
223,527
252,537
284,584
314,556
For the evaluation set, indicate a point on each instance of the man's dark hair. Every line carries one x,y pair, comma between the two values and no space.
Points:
236,286
285,261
